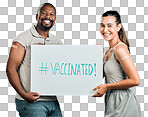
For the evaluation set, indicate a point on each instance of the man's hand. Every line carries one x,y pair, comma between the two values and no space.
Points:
31,96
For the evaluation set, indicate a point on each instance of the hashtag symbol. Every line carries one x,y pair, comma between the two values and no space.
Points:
43,68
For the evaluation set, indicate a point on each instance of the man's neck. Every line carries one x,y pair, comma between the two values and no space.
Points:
44,34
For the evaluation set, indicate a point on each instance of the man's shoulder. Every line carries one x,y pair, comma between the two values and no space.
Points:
24,34
23,38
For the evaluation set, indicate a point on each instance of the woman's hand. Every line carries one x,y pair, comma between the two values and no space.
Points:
104,50
102,89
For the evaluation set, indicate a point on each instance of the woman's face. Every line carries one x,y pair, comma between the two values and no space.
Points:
108,28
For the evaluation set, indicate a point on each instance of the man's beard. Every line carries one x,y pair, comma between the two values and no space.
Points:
46,28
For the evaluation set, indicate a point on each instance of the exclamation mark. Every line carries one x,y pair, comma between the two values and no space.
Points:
95,69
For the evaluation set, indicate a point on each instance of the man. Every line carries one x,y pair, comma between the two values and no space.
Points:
31,104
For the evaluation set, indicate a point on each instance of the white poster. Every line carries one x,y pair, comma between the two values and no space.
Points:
66,69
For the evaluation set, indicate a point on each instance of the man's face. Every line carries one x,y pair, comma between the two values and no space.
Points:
46,18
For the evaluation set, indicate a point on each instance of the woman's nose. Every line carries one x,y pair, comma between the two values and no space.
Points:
105,29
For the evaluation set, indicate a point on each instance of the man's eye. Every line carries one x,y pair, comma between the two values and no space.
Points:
43,12
52,14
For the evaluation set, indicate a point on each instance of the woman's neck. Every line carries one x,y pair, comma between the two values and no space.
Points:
114,42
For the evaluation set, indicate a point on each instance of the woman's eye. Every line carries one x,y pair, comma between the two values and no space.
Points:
109,26
102,25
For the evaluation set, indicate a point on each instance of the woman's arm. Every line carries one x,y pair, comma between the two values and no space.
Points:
123,57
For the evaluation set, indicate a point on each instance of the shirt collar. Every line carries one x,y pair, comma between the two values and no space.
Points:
36,34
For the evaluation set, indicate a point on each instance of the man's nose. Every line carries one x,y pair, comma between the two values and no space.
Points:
48,16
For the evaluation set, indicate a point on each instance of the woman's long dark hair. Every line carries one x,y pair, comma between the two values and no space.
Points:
121,32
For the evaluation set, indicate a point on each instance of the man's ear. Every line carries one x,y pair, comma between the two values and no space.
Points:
118,27
36,17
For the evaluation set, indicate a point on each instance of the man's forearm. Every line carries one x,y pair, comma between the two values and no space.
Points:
15,81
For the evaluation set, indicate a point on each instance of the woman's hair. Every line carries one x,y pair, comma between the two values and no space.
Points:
121,32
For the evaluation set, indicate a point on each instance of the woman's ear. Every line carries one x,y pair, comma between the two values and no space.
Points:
118,27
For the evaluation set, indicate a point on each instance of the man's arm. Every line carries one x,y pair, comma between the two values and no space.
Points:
16,55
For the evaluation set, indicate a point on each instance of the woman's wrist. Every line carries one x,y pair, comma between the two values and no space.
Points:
108,87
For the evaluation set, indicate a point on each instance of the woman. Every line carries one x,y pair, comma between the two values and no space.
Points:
119,70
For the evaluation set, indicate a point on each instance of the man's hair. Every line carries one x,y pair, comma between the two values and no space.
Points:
42,5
